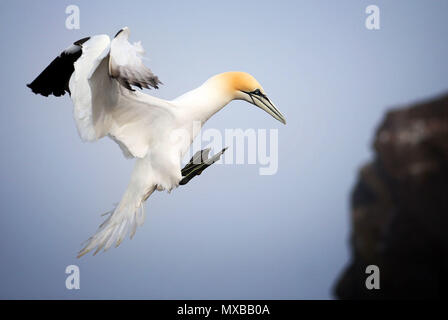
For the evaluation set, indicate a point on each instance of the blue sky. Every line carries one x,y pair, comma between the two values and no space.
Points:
231,233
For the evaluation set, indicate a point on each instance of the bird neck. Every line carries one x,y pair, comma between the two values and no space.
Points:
203,102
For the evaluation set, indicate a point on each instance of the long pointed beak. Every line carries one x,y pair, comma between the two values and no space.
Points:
264,103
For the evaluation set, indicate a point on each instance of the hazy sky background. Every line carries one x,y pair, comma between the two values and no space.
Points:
229,233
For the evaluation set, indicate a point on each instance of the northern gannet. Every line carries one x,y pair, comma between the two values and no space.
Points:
99,75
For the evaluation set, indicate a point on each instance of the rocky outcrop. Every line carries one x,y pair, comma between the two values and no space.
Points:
400,208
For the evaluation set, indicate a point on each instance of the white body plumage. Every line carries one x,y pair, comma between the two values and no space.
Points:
154,131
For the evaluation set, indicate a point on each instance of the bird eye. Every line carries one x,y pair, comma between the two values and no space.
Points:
257,92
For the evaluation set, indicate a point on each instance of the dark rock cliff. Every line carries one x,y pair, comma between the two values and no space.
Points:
400,208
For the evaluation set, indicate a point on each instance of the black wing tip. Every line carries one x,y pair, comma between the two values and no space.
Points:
45,93
151,84
155,82
33,89
156,86
56,76
81,41
121,30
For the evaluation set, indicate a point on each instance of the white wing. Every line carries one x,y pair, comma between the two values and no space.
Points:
126,63
100,74
94,51
104,103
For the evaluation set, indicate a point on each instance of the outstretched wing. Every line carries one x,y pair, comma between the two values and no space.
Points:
98,74
90,102
54,79
126,63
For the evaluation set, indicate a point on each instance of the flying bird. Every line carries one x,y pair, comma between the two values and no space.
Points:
101,77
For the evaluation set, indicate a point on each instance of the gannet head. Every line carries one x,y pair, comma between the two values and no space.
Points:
243,86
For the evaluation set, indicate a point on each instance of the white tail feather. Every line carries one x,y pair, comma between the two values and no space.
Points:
127,215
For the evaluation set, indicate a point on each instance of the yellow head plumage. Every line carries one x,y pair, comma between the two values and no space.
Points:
236,81
243,86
